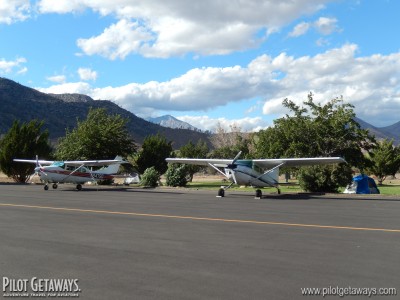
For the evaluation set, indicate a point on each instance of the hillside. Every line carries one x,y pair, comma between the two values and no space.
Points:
393,131
62,111
389,132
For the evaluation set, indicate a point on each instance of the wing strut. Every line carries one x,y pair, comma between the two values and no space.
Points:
218,170
270,171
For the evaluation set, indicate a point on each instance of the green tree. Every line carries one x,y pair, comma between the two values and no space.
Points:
100,136
24,140
385,160
155,150
315,130
191,150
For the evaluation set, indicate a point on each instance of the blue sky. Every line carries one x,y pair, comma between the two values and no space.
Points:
208,62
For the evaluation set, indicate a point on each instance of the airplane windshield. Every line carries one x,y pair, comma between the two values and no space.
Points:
245,162
58,164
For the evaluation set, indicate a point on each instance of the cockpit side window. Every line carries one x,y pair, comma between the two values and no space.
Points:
257,168
83,170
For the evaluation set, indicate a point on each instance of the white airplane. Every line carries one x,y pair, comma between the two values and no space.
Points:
254,172
75,171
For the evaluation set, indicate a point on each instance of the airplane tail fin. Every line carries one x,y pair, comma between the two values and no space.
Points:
112,169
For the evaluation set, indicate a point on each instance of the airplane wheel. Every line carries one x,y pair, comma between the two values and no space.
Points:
79,187
55,185
258,193
221,193
46,187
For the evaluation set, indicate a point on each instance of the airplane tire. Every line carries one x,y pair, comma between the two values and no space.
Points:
55,185
258,193
79,187
46,187
221,193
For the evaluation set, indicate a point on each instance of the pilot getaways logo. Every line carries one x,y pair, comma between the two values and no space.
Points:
40,287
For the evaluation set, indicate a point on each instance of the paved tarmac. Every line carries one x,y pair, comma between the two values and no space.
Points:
134,243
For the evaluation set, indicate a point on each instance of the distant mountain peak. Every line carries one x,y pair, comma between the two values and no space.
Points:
171,122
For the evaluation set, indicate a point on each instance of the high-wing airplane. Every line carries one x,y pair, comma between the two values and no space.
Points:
76,171
254,172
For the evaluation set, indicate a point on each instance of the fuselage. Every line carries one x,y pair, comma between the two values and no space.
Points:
56,174
244,175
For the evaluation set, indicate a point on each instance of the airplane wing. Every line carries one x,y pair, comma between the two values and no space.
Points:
263,163
34,161
94,163
297,162
89,163
201,161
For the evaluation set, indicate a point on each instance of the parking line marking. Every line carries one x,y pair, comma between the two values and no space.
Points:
199,218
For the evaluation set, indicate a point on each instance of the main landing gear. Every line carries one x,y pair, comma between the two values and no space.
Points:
221,193
55,186
258,195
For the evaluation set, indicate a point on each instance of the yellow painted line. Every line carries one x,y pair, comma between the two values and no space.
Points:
199,218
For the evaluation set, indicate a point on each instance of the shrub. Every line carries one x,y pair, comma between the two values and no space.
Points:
177,175
325,179
150,177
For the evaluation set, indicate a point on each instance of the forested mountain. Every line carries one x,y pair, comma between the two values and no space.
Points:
62,111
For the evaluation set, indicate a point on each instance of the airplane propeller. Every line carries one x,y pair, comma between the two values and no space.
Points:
232,165
38,168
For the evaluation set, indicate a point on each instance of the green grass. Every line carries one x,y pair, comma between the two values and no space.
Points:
389,189
386,189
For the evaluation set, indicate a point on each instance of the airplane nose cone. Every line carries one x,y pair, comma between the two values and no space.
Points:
37,170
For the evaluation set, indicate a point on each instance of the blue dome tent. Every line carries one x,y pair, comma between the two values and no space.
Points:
362,184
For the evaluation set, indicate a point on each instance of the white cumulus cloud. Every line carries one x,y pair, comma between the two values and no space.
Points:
117,41
68,88
17,65
326,26
176,27
300,29
57,78
370,83
87,74
14,10
323,25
